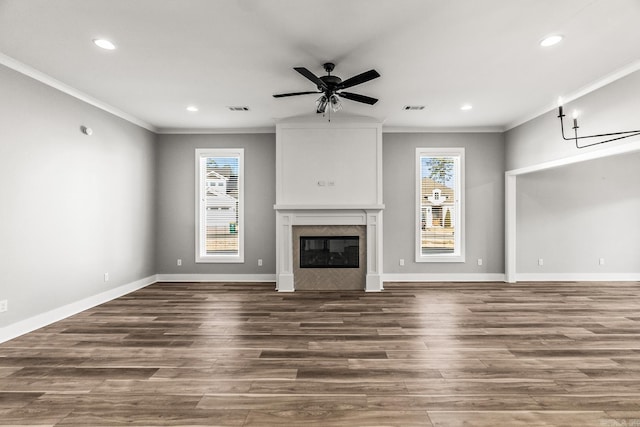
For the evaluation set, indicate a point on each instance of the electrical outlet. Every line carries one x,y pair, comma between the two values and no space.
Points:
260,262
106,277
479,261
4,305
179,262
540,261
601,261
401,262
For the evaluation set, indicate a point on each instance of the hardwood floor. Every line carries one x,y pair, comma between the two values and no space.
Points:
487,354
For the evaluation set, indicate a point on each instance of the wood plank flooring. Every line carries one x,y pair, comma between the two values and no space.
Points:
447,354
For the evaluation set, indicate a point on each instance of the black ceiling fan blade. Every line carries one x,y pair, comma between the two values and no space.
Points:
360,78
308,74
282,95
358,98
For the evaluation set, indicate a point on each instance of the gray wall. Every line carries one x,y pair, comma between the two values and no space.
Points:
176,203
574,215
72,207
612,108
484,201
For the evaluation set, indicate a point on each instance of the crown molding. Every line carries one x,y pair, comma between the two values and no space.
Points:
209,131
28,71
417,129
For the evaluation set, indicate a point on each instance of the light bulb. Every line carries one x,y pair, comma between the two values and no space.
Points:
322,104
335,103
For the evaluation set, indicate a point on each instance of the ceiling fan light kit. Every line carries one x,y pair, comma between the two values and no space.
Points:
331,87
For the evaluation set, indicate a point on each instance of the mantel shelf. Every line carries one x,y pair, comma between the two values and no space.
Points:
326,207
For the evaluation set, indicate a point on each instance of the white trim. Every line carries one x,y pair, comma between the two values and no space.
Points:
343,119
510,242
28,71
417,129
459,207
592,87
614,150
41,320
201,155
235,278
443,277
578,277
327,207
214,131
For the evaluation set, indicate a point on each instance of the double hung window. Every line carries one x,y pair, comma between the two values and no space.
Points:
439,204
220,205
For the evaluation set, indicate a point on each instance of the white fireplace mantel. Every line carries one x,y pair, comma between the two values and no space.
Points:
328,173
289,216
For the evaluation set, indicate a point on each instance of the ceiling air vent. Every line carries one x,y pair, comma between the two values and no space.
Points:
413,107
238,108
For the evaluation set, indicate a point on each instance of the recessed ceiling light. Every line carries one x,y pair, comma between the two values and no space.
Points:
192,108
551,40
105,44
413,107
466,107
238,108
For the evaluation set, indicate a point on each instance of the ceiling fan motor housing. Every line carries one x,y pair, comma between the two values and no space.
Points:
331,82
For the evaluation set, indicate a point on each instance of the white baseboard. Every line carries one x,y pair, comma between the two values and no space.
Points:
216,277
38,321
444,277
577,277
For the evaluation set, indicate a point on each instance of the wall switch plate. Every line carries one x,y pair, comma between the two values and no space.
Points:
540,261
179,262
479,261
4,305
321,183
401,262
260,262
601,261
331,183
106,277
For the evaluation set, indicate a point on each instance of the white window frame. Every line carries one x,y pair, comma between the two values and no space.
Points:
459,247
201,171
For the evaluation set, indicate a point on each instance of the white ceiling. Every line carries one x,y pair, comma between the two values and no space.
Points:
216,54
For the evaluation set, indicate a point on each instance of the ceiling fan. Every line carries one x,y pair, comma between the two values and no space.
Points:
331,88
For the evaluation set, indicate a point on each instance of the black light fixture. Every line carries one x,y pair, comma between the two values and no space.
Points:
615,135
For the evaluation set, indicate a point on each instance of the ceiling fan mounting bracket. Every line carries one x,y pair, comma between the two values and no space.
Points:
329,66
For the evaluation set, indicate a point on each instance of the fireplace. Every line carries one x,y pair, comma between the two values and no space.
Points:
329,252
329,185
292,224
